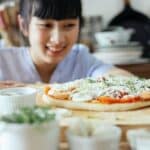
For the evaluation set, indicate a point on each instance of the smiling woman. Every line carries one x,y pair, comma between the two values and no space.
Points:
52,28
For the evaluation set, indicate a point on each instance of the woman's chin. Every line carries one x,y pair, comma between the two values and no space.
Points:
53,60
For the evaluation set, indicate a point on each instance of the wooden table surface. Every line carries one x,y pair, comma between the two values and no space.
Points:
123,146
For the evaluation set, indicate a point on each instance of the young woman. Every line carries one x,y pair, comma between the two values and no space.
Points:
52,28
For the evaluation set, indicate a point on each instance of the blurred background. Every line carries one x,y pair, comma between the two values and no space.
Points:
118,32
129,14
9,32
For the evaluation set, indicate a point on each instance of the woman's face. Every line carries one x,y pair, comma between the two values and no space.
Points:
51,40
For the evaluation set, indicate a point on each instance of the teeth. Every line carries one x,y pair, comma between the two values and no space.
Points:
55,50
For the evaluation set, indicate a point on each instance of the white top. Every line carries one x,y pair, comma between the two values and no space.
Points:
16,64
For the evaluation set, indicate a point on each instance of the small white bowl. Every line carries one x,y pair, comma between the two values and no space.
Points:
13,98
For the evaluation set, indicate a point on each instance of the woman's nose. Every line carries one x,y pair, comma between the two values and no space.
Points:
56,36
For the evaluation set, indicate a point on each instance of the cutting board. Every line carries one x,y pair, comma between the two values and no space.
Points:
134,117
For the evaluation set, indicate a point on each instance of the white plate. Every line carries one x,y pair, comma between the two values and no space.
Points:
131,58
120,48
118,55
130,43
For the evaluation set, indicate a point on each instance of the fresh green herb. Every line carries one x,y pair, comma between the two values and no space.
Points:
34,115
90,80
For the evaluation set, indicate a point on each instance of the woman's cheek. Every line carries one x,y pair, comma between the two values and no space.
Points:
41,36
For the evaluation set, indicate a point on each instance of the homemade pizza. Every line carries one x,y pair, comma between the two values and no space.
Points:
112,93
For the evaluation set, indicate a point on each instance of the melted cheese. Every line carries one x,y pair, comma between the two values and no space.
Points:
115,86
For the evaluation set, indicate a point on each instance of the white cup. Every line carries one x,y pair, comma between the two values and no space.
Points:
104,137
12,99
139,139
143,143
30,137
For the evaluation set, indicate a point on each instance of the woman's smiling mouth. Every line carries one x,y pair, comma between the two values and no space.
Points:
54,51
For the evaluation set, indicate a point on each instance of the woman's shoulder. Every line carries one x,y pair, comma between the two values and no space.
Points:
13,53
80,48
12,50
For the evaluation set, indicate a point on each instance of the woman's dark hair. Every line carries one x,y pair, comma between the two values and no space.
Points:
55,9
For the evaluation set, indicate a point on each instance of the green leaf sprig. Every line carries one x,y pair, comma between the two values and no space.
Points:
29,115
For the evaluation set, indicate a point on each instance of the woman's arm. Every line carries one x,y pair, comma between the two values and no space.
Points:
9,83
118,71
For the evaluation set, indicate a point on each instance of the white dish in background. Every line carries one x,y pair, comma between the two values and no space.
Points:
123,57
125,61
110,38
120,45
12,99
129,47
118,55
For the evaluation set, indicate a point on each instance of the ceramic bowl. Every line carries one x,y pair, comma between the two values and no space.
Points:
119,36
12,99
30,137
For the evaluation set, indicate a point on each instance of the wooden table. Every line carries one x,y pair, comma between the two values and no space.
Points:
123,146
139,69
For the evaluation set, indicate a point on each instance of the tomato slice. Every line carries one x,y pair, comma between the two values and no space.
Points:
110,100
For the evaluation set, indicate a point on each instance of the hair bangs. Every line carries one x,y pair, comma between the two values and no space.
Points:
57,9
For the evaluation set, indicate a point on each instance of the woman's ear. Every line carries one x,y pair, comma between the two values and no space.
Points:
22,26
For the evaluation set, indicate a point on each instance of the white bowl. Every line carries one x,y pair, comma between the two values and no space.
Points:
119,55
115,37
143,143
30,137
134,135
12,99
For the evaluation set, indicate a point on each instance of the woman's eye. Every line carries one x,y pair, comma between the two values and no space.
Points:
45,25
69,26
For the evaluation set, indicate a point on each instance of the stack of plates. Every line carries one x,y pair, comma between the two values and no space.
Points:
120,54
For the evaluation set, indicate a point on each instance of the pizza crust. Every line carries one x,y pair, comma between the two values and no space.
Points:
92,106
145,95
